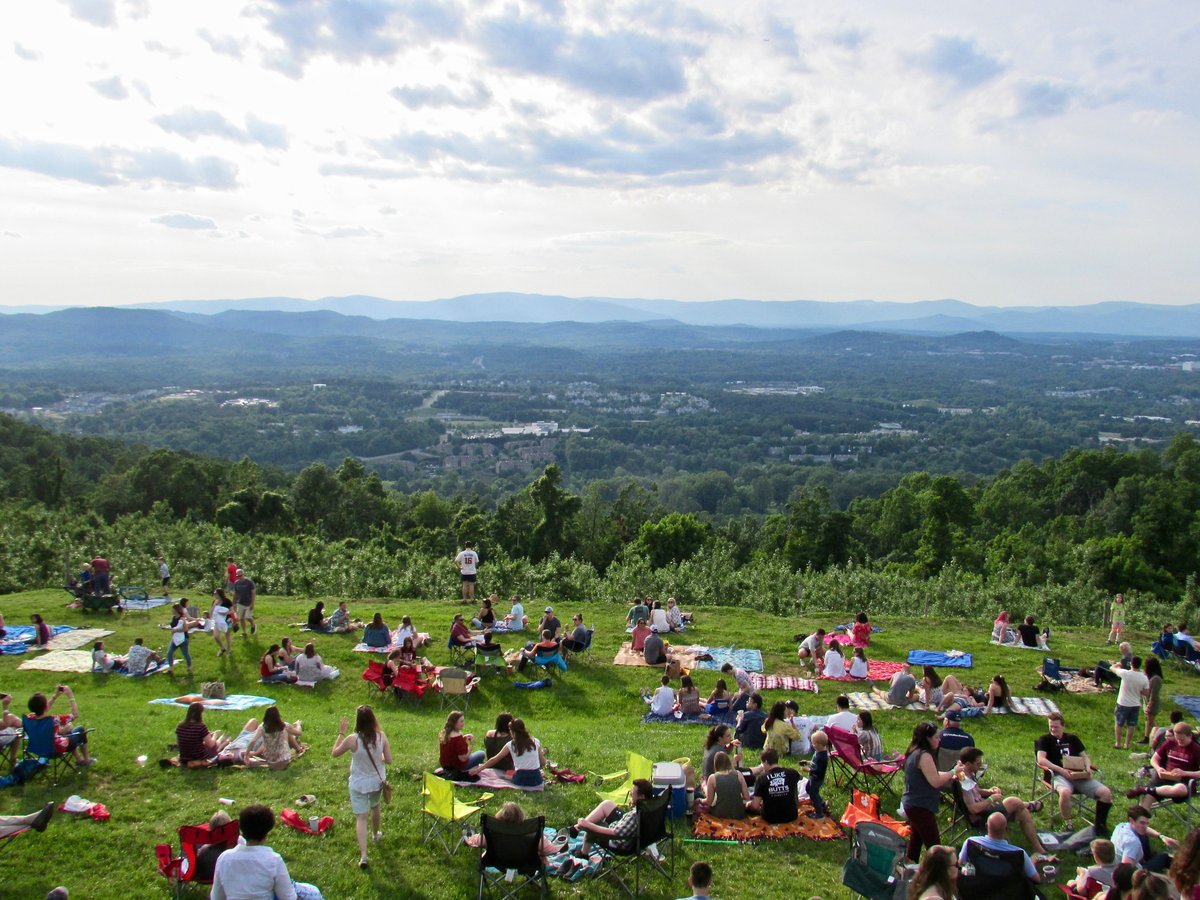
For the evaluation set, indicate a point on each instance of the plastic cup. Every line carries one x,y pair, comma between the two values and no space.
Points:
313,822
1049,873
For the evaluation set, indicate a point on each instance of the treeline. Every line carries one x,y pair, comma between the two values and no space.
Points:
1055,538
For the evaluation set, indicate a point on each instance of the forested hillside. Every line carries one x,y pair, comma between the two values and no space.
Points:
1054,538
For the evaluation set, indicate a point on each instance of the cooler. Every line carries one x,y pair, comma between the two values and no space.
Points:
669,775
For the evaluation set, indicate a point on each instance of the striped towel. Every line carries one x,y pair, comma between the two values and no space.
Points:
781,683
1020,706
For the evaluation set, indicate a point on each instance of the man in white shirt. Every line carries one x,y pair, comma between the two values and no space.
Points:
662,702
1134,686
252,870
843,718
467,562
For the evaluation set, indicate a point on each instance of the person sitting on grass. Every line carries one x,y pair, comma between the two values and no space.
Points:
496,740
1132,841
339,622
776,791
408,630
818,767
858,664
42,633
196,742
860,631
1031,636
998,694
726,789
982,803
750,723
1002,633
527,756
932,693
270,671
67,740
655,651
835,662
637,613
280,740
607,826
252,870
699,880
688,698
316,618
455,755
104,662
377,634
662,702
310,667
718,700
486,617
641,631
902,689
676,617
139,658
779,732
516,620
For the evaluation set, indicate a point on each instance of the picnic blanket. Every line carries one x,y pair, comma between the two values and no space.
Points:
77,638
1190,702
18,637
1018,706
877,670
61,661
762,682
1019,645
145,604
422,638
223,760
755,828
332,673
152,670
725,718
741,657
627,657
939,658
493,780
233,701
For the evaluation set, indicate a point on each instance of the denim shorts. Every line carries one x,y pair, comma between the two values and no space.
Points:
1127,715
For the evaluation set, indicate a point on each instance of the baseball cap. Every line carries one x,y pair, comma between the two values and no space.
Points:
549,609
952,715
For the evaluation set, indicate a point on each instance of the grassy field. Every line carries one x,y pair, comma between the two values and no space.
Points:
588,721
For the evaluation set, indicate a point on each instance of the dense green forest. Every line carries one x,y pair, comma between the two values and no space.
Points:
1054,538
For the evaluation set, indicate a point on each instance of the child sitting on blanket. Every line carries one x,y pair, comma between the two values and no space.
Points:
858,663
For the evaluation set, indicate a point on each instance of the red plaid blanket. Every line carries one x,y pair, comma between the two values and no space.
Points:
781,683
877,670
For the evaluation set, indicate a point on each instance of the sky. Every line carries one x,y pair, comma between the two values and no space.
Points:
1024,153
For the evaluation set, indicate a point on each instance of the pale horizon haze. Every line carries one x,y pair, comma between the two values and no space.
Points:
1000,154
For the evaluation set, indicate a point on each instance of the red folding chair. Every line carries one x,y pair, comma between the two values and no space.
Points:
374,677
182,869
408,683
849,768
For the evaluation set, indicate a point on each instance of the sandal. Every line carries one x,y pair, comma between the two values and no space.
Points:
1034,807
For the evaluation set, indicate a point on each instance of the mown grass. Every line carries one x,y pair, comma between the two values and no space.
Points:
588,721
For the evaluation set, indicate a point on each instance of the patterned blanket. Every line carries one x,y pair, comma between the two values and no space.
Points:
762,682
742,658
422,638
1019,706
877,670
494,780
755,828
232,702
61,661
626,656
725,718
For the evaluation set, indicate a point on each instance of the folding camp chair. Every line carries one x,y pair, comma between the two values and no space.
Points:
1052,674
654,826
181,870
407,683
849,768
1185,811
550,662
492,658
637,766
454,687
999,875
586,649
1083,807
39,744
511,858
460,653
445,812
961,823
875,869
373,675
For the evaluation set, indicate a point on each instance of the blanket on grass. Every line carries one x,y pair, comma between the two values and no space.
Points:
1019,706
61,661
77,638
725,718
233,701
422,639
741,657
939,658
221,761
755,828
144,604
1019,646
153,670
19,638
877,670
1190,702
762,682
331,672
493,780
627,657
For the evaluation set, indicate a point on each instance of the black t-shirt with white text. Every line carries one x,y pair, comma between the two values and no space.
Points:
779,790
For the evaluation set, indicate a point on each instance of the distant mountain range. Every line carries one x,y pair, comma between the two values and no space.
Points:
931,317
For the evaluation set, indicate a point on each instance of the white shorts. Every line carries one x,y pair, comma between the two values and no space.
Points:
220,624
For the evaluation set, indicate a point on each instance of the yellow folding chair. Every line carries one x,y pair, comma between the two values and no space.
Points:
637,766
445,812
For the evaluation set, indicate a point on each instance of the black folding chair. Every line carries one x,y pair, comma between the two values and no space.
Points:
999,875
511,858
654,826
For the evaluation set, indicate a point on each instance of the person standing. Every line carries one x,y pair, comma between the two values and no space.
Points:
467,562
923,785
101,576
1118,620
180,625
370,753
165,574
231,572
245,593
221,610
1134,686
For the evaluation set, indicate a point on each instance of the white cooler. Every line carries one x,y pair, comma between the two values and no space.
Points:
669,775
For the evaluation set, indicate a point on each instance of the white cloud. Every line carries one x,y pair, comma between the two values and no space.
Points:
101,13
25,53
112,88
185,221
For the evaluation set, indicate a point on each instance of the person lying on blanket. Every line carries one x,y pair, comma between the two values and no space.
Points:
956,696
103,661
981,803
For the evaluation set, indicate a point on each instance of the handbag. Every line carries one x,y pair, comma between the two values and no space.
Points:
385,788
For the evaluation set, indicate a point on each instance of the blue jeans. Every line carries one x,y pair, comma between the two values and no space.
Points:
182,648
476,757
527,777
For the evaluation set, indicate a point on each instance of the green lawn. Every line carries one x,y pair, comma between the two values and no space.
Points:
587,721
